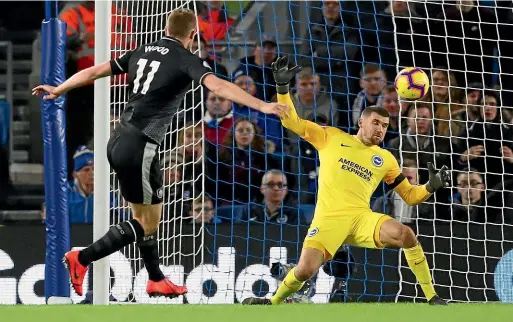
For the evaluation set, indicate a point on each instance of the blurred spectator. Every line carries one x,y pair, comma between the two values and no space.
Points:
218,118
202,211
79,18
393,205
5,181
470,200
305,164
274,208
80,192
398,29
213,21
465,37
190,146
333,49
310,101
447,99
258,67
487,144
372,81
242,162
216,66
270,124
391,104
172,163
418,143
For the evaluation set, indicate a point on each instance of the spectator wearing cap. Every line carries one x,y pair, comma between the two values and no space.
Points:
487,142
269,124
311,101
81,188
274,209
218,118
258,67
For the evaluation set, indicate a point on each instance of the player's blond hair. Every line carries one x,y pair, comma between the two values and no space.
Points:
180,23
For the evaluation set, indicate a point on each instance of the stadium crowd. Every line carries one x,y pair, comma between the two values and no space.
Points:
463,122
246,166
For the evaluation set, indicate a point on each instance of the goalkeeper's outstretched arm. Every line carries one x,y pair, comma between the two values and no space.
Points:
413,194
310,131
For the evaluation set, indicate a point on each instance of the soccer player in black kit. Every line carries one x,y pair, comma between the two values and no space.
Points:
160,73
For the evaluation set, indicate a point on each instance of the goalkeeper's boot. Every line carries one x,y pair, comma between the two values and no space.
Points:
437,300
76,271
256,301
164,288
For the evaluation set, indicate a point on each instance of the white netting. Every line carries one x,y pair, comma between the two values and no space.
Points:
137,23
466,45
463,48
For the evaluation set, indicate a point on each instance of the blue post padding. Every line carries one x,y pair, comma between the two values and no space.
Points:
53,60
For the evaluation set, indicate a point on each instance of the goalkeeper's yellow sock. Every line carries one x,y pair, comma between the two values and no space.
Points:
419,266
290,285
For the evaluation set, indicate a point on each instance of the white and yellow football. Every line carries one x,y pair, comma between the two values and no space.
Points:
411,83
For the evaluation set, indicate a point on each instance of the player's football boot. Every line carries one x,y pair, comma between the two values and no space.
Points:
76,271
256,301
437,300
164,288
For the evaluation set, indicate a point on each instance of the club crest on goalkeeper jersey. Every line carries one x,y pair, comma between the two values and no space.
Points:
350,172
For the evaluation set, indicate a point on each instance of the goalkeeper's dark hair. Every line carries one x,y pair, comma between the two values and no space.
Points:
381,111
180,23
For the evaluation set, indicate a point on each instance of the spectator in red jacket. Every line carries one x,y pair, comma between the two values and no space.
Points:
214,22
218,118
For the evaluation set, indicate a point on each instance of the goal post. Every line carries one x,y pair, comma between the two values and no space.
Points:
101,220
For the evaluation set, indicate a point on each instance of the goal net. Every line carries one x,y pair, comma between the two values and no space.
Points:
229,213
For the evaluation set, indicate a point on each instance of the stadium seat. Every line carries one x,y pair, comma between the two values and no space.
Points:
308,212
229,213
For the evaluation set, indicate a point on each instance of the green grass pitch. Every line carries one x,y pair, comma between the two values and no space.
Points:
238,313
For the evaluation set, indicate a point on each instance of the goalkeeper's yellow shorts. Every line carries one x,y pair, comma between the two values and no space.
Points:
358,229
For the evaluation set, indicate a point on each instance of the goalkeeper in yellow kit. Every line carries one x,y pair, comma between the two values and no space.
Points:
351,167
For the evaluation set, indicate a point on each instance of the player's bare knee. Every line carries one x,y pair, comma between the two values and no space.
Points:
408,238
304,272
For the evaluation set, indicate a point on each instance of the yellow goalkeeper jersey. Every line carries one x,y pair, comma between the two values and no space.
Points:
349,170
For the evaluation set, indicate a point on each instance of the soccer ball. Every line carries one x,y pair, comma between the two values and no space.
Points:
411,83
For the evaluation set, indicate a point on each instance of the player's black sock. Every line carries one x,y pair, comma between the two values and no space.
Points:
149,249
116,238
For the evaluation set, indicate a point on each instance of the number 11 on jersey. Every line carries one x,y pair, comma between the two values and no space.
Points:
141,63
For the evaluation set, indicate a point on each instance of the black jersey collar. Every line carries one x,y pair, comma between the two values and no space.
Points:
173,39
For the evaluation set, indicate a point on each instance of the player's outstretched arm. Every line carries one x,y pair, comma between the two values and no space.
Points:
235,93
310,131
80,79
414,195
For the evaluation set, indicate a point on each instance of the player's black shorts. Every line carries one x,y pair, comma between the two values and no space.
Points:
134,158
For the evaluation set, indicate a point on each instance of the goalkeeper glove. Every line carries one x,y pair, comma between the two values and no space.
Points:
283,74
437,180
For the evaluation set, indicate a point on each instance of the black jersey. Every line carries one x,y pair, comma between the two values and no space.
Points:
159,75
